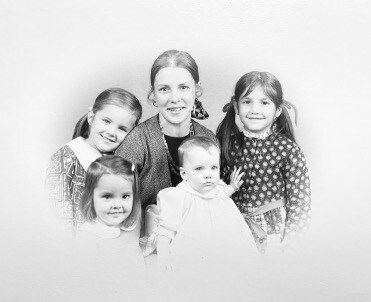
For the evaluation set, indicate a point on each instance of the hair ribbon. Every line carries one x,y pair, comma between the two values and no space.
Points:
289,106
228,106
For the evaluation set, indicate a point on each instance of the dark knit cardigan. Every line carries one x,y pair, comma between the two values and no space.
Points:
145,147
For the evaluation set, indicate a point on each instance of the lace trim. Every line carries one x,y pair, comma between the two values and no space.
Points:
262,135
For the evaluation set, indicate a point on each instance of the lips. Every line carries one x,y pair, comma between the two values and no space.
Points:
106,139
175,109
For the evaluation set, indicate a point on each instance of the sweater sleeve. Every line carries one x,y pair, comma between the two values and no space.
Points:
64,184
298,193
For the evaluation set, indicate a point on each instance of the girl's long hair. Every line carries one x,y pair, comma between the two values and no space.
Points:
112,96
228,129
113,165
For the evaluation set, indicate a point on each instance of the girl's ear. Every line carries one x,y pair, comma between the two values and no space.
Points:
183,173
278,112
199,89
90,116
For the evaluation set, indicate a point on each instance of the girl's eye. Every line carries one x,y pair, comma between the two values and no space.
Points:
106,121
265,103
126,196
106,196
123,129
199,169
184,87
163,89
215,168
245,101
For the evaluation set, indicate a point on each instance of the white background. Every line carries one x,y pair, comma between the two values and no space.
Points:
57,56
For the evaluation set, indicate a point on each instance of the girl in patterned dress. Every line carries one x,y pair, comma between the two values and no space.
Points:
99,132
275,195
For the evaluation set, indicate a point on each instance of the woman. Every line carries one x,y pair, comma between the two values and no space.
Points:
153,145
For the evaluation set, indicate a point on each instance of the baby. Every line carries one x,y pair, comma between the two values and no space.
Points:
199,226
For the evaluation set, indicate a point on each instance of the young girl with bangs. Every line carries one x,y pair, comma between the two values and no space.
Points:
99,132
275,194
108,241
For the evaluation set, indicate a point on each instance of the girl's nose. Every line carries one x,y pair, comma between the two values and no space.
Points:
111,131
116,203
254,108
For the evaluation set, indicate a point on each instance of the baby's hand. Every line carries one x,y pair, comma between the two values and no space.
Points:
235,178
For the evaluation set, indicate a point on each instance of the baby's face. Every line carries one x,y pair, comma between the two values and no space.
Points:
201,168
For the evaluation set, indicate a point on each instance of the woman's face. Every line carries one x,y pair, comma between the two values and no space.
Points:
174,93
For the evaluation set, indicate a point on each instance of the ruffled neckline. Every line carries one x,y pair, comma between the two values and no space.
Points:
262,135
101,230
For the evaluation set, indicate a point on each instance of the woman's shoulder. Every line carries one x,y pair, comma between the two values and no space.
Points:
202,130
145,128
149,123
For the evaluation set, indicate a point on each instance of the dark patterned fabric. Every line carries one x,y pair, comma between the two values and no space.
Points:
65,182
275,168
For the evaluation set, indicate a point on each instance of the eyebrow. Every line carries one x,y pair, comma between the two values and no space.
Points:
262,99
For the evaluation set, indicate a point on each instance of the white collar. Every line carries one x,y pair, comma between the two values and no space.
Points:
262,135
85,153
104,231
184,185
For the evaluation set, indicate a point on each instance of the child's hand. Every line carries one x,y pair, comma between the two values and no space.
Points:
165,262
236,176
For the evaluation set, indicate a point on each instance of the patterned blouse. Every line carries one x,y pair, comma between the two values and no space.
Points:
275,169
65,180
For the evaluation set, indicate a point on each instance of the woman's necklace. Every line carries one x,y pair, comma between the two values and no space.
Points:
173,166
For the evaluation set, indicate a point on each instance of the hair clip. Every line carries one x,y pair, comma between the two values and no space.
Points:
132,167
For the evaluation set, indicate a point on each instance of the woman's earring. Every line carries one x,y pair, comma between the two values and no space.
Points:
154,103
198,111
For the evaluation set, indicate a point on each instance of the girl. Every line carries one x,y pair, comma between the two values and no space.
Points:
111,208
153,145
275,195
99,132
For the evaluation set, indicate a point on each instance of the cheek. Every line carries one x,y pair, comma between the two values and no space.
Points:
121,137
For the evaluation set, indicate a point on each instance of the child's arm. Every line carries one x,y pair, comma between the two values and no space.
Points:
64,183
163,254
235,181
298,194
170,204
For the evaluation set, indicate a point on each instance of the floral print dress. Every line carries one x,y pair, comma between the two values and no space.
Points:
275,170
